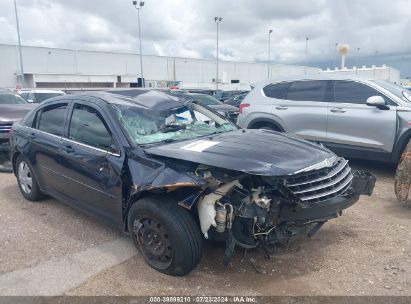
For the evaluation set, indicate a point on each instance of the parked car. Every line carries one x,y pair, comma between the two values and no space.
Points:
163,170
39,95
226,110
12,108
355,117
236,100
203,91
224,95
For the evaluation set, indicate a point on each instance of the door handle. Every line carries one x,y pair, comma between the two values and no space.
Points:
32,135
68,149
337,110
281,108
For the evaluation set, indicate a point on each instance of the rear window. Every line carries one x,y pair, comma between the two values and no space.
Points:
276,90
9,98
307,91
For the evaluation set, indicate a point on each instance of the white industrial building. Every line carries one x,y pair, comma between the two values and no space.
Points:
66,68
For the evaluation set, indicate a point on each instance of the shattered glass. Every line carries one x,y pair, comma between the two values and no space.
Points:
146,126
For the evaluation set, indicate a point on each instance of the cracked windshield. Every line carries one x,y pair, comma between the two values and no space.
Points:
146,126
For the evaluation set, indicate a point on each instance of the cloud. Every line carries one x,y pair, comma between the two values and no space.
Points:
187,27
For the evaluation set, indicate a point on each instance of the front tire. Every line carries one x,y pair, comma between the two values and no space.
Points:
166,235
26,180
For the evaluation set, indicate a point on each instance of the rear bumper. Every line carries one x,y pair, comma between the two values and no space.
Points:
362,184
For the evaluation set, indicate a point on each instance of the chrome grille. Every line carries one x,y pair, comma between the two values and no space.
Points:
5,128
320,185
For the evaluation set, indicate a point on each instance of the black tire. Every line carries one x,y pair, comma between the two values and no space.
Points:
165,234
33,192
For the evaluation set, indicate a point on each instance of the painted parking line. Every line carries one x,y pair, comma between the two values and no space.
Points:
56,276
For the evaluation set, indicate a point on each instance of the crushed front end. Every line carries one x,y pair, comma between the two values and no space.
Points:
253,210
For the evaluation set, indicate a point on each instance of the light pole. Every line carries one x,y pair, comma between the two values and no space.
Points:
19,41
139,6
336,55
269,52
306,52
217,21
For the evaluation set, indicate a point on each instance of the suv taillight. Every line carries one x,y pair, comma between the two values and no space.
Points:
242,106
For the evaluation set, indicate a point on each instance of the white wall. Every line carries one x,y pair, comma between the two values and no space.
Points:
62,65
382,72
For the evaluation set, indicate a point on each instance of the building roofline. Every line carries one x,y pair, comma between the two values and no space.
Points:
152,55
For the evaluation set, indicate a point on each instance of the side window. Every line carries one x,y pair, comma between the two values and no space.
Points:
353,92
310,90
88,127
276,90
29,119
51,119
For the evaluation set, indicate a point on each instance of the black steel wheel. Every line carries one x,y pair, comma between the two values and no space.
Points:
153,242
165,234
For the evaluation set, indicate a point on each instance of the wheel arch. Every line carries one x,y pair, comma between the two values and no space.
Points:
259,122
135,197
14,160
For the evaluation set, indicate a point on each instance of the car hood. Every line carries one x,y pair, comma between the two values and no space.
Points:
14,112
260,152
224,108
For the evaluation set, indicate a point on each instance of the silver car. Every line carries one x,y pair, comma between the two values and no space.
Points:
355,117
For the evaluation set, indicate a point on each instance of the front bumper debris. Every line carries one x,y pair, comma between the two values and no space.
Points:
363,182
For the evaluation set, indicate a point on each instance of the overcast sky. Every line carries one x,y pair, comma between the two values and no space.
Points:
381,29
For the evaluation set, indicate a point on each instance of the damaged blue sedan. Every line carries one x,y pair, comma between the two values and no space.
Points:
171,172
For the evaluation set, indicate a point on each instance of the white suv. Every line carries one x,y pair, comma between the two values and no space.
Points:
355,117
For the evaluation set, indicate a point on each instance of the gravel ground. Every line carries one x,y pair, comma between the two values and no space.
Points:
367,251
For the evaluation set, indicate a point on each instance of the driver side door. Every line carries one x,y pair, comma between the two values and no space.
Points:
93,179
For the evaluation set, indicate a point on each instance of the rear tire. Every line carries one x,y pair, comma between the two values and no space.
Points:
26,180
166,235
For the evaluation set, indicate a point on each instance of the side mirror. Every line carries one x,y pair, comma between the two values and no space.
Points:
30,100
377,101
113,150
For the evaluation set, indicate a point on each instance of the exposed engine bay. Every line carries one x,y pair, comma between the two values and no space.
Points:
251,210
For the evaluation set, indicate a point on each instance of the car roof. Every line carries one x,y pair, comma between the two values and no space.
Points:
320,76
147,99
40,91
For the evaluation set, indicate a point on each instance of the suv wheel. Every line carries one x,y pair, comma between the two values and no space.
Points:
27,181
166,235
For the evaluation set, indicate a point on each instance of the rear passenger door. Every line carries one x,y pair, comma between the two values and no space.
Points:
354,124
88,151
301,106
45,141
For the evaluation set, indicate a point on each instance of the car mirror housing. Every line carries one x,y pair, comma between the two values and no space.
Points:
377,101
113,149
